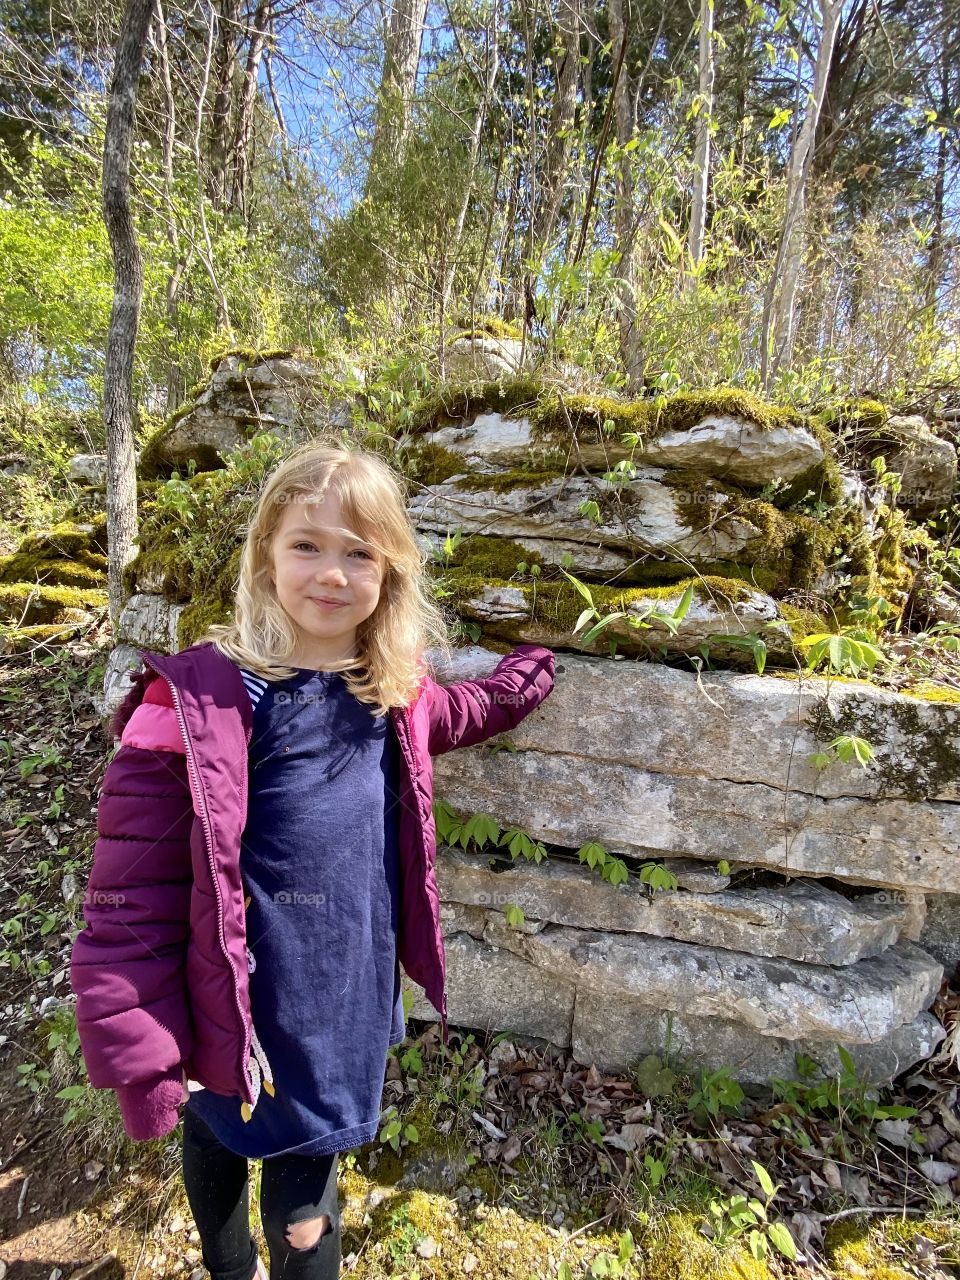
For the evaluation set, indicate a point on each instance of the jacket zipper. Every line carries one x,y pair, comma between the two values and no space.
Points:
402,715
208,843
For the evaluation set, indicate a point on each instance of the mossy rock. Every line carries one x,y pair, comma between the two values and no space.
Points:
429,463
254,355
504,481
933,762
156,463
30,568
599,417
67,540
34,605
193,623
490,327
24,639
455,401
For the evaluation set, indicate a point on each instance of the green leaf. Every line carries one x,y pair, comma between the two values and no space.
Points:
766,1182
782,1240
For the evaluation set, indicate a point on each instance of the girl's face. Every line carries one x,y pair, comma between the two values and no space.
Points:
315,559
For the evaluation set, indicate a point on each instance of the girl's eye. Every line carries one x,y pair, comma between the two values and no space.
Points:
357,551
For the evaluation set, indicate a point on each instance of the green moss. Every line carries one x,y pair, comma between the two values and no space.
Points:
66,540
698,496
492,557
23,639
559,604
802,622
432,464
30,568
556,414
871,1247
869,415
927,757
455,401
250,355
821,483
32,605
491,327
930,691
504,481
675,1246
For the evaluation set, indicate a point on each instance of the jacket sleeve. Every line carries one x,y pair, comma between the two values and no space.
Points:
127,966
463,714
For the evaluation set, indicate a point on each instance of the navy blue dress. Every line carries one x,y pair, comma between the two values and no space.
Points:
319,860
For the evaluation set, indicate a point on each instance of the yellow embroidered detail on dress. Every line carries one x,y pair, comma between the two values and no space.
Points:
258,1067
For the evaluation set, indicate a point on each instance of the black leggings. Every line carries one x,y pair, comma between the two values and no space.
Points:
292,1189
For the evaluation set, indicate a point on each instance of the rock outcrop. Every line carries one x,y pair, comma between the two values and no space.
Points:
710,531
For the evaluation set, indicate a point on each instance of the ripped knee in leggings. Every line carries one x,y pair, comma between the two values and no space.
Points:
305,1235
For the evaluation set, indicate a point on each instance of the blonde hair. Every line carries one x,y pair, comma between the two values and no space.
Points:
262,637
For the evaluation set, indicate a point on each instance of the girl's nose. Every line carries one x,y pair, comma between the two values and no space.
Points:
331,571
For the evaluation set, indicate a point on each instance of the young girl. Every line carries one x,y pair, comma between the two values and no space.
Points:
265,859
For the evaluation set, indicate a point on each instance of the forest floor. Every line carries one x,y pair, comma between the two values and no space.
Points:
510,1159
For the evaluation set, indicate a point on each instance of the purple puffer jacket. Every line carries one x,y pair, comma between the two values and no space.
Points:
160,971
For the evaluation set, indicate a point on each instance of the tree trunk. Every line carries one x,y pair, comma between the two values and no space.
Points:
559,138
243,136
623,211
176,383
398,82
935,262
490,80
779,304
227,24
127,295
701,177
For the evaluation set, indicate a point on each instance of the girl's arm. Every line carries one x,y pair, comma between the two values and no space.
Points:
463,714
127,966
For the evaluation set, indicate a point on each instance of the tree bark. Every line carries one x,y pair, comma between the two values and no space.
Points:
127,295
623,210
398,82
490,80
559,137
779,305
243,136
701,177
225,57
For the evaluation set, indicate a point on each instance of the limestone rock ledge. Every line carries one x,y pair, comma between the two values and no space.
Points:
497,989
660,755
802,920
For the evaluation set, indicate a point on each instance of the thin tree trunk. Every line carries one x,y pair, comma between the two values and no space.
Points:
623,210
176,383
559,137
493,65
935,262
127,296
243,135
779,308
398,82
227,23
701,177
281,122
